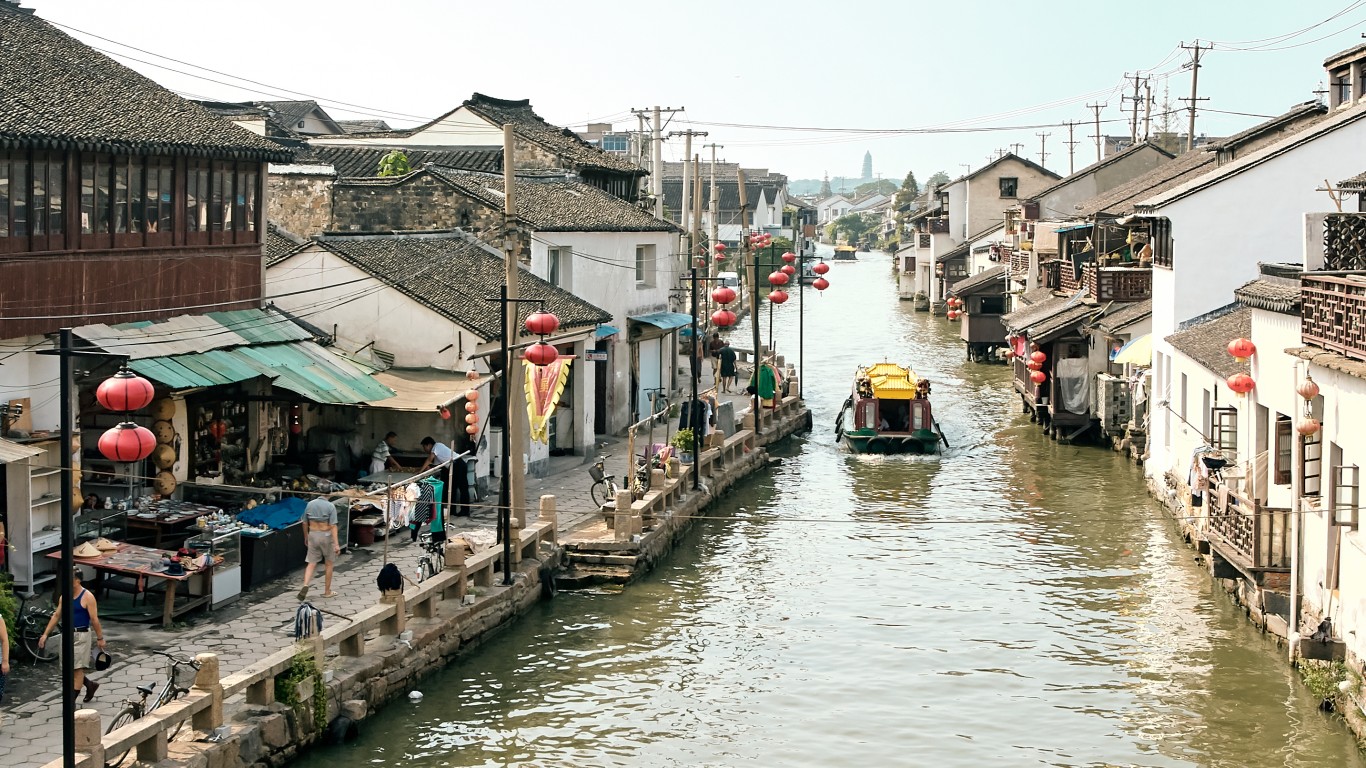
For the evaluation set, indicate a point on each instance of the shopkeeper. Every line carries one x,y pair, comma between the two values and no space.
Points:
383,456
437,453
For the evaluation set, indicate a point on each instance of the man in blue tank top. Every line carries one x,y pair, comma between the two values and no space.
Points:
86,618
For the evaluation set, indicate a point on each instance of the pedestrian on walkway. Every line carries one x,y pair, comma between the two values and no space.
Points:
383,456
727,358
714,347
85,618
321,542
4,658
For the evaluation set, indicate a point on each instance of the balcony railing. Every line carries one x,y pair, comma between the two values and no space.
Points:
1254,538
1344,241
1050,274
1118,283
1333,313
939,226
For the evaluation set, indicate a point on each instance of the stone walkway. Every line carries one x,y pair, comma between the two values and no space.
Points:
260,622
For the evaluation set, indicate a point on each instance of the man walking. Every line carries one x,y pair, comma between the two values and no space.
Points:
714,347
321,543
727,358
85,618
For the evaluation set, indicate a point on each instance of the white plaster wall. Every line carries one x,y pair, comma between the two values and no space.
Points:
26,374
460,128
1277,374
1185,438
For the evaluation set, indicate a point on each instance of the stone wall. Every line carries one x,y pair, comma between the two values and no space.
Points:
527,156
300,203
416,202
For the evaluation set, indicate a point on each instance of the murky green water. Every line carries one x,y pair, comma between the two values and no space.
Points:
1014,602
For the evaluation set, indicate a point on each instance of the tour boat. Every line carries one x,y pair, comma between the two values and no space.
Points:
845,253
891,413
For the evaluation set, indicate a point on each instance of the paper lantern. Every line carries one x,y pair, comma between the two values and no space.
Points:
472,396
1307,427
444,412
777,296
720,248
777,278
1038,356
1241,383
471,406
723,318
1034,365
952,314
540,353
1242,349
471,418
1308,389
788,269
1038,377
542,323
127,442
723,294
820,267
820,283
789,257
471,429
125,391
472,375
720,257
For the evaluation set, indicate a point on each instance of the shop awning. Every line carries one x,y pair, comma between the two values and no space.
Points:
1072,227
11,451
424,389
604,331
665,321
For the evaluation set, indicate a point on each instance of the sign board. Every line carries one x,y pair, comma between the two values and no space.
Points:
595,355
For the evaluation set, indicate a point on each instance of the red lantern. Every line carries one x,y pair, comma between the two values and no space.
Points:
124,391
1038,377
788,269
777,296
720,248
1241,349
777,278
1307,427
542,323
1308,389
952,314
471,418
1241,383
471,407
1038,357
820,283
471,429
789,257
540,353
723,318
1034,365
471,396
820,267
445,412
127,442
723,294
720,257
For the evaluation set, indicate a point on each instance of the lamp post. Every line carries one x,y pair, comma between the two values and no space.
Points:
693,278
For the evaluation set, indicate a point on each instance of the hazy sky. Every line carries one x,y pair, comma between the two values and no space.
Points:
856,64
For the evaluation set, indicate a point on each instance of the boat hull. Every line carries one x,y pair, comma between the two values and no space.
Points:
869,441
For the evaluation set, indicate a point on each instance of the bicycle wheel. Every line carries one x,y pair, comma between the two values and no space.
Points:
600,494
30,634
124,717
426,569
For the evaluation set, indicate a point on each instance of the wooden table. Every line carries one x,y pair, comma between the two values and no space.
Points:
132,560
173,518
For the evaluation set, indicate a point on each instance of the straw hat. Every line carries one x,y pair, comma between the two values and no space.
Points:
105,545
86,549
164,431
164,483
163,456
163,408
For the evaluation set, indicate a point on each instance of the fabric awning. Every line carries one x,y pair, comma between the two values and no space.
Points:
11,451
1138,351
665,321
424,389
604,331
1073,227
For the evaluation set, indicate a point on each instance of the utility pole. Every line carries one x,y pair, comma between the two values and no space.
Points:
751,258
1071,148
1147,108
1133,119
1043,155
689,170
1095,110
1016,147
713,208
1196,49
514,479
657,153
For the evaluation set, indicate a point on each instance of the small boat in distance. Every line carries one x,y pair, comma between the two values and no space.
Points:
891,413
845,253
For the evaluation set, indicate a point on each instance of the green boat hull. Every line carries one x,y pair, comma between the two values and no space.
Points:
871,441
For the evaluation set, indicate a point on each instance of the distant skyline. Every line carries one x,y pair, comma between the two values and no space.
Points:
925,87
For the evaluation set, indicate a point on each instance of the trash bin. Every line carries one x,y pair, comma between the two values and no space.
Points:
362,532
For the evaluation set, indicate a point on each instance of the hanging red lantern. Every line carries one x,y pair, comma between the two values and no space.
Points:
1034,365
777,296
471,407
820,267
1308,427
820,283
777,278
1038,357
789,257
720,248
127,442
952,314
1241,383
542,323
445,413
1308,389
1242,349
296,421
723,294
471,396
471,418
788,269
540,353
471,429
723,318
124,391
472,375
720,257
1038,377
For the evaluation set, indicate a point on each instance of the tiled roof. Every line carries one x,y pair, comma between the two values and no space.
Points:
363,126
727,193
1056,325
451,275
556,203
62,94
954,253
998,161
1207,342
1120,200
1330,360
989,281
1022,318
1357,182
353,161
559,141
1123,315
1036,296
1270,295
1093,167
280,243
291,112
1297,112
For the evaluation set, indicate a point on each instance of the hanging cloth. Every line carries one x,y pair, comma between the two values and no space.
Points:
424,507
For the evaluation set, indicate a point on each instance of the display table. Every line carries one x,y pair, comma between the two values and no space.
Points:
166,522
137,562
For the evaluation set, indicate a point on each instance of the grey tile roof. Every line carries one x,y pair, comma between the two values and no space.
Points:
353,161
452,275
1330,360
555,203
1036,296
1120,316
62,94
559,141
1207,342
1094,167
1120,201
989,281
1357,182
1283,120
1022,318
1270,295
363,126
1007,156
280,243
954,253
1058,324
291,112
727,193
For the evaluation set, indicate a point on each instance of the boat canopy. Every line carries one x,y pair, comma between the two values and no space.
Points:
891,381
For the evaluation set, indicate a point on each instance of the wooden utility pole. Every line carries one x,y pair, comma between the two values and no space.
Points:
751,258
1043,155
1196,49
1147,108
1133,118
1095,110
657,153
1016,147
518,438
1071,148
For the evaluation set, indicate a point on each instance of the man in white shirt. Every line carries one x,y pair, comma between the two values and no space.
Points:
437,453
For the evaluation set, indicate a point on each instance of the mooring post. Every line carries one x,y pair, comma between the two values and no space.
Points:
207,680
621,518
88,737
549,515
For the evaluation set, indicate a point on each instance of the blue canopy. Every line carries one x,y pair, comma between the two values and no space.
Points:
604,331
666,321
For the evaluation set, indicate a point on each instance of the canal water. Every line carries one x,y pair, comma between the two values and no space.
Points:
1013,602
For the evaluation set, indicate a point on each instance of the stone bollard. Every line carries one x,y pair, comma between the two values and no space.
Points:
262,692
621,519
207,680
399,621
89,735
549,515
455,559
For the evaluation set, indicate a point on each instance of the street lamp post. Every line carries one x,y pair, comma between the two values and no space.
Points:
694,363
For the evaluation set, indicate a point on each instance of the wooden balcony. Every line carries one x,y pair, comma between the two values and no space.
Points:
938,226
1253,539
1333,312
1344,241
1118,283
1050,274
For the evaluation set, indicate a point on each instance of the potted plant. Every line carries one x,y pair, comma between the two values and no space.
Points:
682,442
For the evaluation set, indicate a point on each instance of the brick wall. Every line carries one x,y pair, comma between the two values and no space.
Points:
416,203
528,156
300,204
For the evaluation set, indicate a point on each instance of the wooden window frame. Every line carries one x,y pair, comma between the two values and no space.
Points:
1284,447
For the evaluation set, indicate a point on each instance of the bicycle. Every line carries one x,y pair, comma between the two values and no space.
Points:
29,624
605,486
180,674
432,559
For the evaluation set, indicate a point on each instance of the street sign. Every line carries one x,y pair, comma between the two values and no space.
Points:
595,355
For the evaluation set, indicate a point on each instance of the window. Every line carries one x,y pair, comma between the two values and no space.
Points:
1346,494
120,195
645,264
554,276
196,196
1184,386
1010,186
1285,445
1225,434
614,142
4,196
992,305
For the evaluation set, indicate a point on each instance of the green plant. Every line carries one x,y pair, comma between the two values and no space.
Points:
394,164
1322,677
682,440
9,604
300,669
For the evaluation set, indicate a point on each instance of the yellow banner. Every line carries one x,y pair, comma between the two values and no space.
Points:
544,384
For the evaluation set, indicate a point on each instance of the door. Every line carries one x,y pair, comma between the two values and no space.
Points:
602,381
647,376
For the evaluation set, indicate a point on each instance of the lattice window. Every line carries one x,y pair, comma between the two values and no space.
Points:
1224,432
1285,443
1346,495
1162,242
1311,465
1344,241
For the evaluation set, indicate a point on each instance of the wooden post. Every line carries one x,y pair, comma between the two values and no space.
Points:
622,518
549,515
89,735
207,680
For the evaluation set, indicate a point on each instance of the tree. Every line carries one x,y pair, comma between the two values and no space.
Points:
853,225
394,164
909,187
882,186
939,179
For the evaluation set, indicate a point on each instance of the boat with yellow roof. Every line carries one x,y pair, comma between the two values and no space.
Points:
890,412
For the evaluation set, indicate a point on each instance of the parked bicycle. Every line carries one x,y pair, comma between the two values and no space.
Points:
180,674
605,486
432,559
29,624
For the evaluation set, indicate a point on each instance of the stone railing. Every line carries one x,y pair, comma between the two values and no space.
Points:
1344,241
1333,312
1251,536
148,737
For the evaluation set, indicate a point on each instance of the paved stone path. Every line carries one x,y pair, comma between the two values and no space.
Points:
260,622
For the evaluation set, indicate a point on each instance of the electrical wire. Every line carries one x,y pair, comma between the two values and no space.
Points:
1232,45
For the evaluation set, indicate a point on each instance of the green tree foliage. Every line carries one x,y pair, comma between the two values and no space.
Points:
881,185
394,164
853,225
903,201
939,179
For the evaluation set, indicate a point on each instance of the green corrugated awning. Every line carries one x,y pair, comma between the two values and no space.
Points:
301,367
